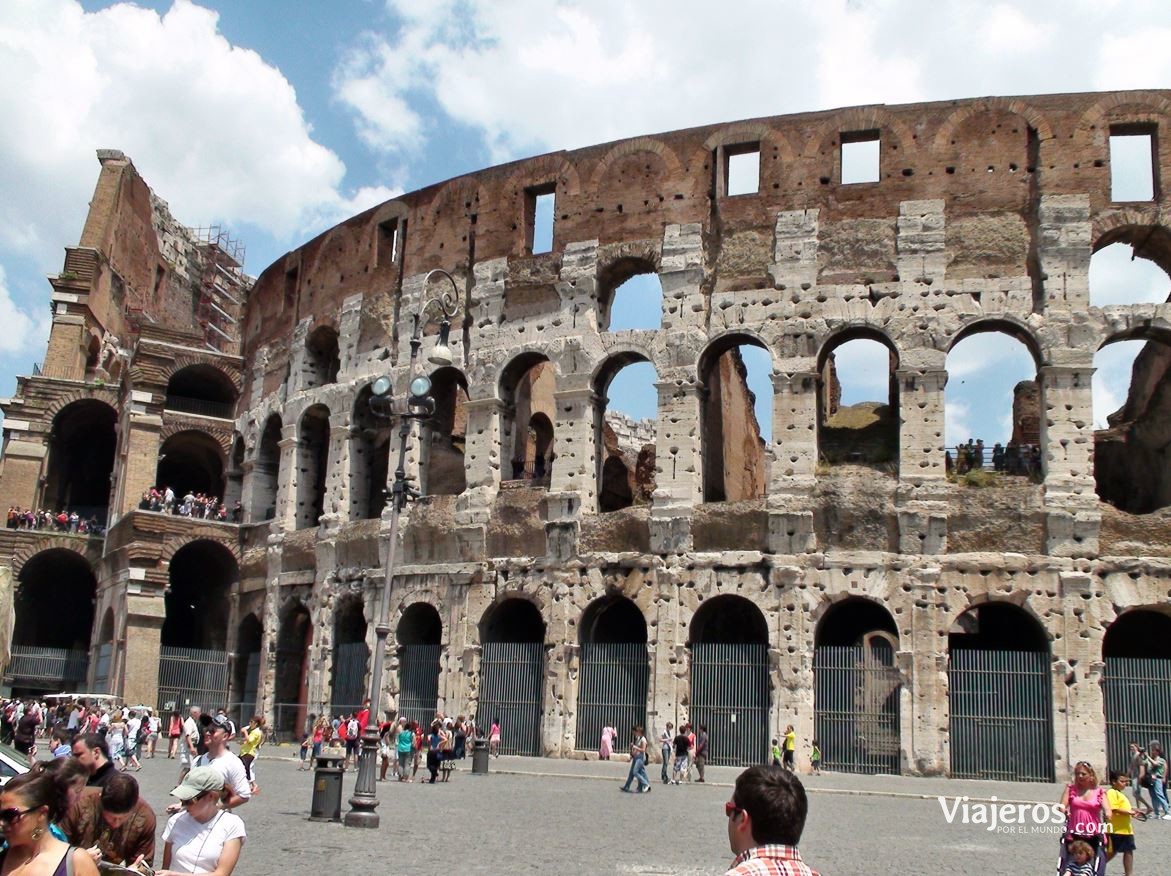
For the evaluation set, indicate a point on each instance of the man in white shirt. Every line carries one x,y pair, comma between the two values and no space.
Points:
237,789
189,742
74,718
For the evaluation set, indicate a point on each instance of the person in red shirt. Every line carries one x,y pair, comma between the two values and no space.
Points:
766,817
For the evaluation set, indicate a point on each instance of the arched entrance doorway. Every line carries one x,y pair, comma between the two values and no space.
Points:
292,672
1000,695
54,611
191,462
350,656
512,670
419,636
1136,682
81,459
193,658
613,680
856,688
729,679
249,636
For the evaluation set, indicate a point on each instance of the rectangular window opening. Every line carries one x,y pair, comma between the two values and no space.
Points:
860,157
1132,163
388,243
540,205
742,169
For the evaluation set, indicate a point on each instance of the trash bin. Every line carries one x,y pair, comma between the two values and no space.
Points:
480,757
327,789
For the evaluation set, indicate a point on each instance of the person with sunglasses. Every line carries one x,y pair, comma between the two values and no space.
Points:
29,804
202,838
766,817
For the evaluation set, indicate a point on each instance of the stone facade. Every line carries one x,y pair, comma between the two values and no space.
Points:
984,217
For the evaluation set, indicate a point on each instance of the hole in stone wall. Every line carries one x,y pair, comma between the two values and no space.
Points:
742,169
630,296
444,436
540,207
527,436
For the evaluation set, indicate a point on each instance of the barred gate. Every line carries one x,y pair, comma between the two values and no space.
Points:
47,669
511,684
192,677
856,709
418,682
612,689
729,696
1137,692
348,689
1001,715
102,667
247,696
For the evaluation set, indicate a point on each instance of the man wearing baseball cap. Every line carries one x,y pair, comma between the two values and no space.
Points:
203,838
236,788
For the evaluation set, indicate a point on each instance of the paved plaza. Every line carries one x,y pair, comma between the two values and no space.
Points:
568,817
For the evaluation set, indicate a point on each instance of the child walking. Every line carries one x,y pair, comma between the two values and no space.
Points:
776,752
815,758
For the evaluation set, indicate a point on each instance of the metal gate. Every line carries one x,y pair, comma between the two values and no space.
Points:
729,696
349,677
511,683
418,682
611,690
192,677
251,683
856,709
1001,715
1138,705
46,669
102,667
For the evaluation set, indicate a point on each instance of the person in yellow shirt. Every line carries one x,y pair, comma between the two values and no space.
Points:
1121,832
253,737
790,749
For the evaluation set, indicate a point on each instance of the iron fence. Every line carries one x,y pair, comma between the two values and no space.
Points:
192,677
729,696
1137,693
511,686
612,689
349,677
418,682
201,407
1001,715
102,667
856,709
51,668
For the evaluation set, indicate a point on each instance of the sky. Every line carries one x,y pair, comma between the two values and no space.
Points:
279,119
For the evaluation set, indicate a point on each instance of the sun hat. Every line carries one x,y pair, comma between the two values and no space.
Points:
198,781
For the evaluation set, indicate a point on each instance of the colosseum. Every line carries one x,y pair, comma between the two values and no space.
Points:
563,566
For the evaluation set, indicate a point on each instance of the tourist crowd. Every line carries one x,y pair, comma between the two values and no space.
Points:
1022,460
54,521
199,505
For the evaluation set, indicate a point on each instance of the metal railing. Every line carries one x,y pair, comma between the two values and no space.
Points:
612,691
52,667
1019,460
201,407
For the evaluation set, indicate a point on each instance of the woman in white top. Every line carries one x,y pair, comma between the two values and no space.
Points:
202,838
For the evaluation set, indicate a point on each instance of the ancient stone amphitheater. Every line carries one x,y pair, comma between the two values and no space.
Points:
566,568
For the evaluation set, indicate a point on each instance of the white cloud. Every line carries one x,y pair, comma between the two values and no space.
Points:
530,76
956,427
863,369
1113,365
24,332
212,127
1118,278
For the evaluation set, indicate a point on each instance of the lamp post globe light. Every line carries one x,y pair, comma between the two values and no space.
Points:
419,406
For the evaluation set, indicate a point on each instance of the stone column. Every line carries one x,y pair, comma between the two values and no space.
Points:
678,474
1078,700
794,465
922,507
142,458
924,715
337,479
141,647
286,488
1064,248
298,380
574,479
1067,438
681,274
66,354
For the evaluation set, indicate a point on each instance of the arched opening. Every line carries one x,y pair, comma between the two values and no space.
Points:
290,681
193,658
858,401
729,679
234,487
630,296
992,404
322,360
612,690
527,387
856,688
512,671
1130,266
444,435
735,418
625,419
50,646
369,459
246,680
191,462
350,656
1000,695
419,636
266,471
203,390
312,466
1132,442
1136,681
81,459
103,664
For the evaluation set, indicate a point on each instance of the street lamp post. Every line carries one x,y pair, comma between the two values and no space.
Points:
420,406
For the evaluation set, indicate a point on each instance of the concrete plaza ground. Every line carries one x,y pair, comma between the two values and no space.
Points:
567,817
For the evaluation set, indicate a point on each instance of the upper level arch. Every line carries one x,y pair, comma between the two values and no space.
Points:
1029,114
1004,324
202,389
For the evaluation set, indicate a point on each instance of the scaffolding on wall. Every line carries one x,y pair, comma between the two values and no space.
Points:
222,286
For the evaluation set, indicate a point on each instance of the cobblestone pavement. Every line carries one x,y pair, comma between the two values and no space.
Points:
568,817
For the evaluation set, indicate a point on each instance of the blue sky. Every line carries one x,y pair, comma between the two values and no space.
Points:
279,119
